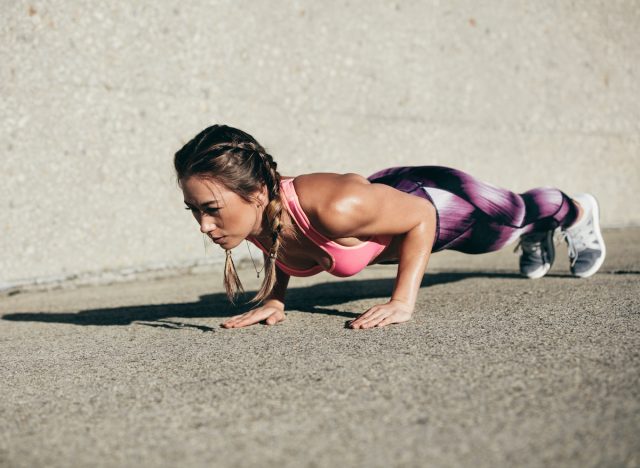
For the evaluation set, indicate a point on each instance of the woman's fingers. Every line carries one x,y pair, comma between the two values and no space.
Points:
372,315
271,315
275,318
235,319
386,321
397,317
240,320
375,318
355,323
381,315
251,317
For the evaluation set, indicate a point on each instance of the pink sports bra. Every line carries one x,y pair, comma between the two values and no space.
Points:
345,261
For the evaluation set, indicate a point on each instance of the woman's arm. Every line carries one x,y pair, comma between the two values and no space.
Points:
413,255
272,309
357,208
276,298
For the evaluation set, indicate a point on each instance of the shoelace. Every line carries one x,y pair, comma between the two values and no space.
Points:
573,252
533,246
580,240
531,243
528,246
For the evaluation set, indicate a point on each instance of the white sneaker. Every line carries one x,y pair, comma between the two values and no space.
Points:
586,245
538,253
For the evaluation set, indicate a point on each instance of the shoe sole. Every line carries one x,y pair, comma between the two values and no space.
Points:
540,272
596,225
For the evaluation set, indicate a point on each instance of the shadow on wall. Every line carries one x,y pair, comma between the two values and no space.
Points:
312,299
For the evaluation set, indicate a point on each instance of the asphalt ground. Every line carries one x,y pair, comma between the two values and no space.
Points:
494,370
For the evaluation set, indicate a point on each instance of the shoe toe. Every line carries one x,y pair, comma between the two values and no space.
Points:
587,263
534,270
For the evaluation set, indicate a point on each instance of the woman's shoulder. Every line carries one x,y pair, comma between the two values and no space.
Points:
321,188
323,195
326,181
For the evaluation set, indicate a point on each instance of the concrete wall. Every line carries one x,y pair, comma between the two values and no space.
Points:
97,96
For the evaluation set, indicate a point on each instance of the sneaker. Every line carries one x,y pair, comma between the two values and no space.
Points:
586,245
538,253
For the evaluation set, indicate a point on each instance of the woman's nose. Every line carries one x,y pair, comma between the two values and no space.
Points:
206,225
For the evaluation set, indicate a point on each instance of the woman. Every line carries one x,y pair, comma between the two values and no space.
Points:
341,223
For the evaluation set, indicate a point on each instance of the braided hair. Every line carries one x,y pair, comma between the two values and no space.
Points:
235,159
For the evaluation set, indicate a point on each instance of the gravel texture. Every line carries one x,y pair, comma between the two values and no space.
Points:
494,370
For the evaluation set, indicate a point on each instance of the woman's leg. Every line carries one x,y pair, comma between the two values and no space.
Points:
477,217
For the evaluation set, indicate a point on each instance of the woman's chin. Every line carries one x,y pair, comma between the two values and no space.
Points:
228,243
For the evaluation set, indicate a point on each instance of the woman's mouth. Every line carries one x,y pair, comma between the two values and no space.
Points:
218,240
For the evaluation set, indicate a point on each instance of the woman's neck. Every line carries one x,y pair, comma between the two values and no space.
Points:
265,225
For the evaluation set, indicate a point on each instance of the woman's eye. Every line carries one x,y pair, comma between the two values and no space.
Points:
209,211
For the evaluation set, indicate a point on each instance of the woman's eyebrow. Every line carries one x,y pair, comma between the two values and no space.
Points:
207,203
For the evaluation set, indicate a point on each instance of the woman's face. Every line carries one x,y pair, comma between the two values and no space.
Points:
222,215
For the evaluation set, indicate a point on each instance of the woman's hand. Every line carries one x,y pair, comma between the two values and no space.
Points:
380,315
270,313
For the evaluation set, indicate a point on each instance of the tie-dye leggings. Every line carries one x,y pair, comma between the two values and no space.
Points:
477,217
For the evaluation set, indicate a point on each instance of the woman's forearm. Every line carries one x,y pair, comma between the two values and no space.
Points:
414,253
279,290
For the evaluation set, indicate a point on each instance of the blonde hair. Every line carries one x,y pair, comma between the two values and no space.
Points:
237,161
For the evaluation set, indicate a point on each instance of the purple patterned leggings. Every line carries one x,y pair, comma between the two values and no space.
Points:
477,217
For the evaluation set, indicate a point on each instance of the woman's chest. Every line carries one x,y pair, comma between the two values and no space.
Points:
304,254
301,253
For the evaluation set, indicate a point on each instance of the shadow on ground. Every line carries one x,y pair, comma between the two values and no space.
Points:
312,299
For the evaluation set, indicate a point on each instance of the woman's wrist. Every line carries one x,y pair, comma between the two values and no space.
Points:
409,304
272,302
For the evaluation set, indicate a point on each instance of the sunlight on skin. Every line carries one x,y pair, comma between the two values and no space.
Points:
381,315
228,219
223,216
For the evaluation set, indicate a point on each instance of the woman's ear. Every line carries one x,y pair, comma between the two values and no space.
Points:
263,196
